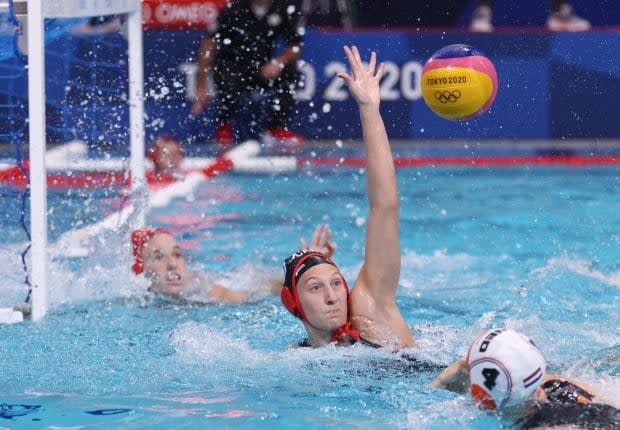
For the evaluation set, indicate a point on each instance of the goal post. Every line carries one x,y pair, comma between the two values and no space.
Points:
37,12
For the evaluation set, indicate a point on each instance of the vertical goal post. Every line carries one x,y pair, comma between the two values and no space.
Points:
37,12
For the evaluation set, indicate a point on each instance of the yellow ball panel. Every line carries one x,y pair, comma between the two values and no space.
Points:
456,92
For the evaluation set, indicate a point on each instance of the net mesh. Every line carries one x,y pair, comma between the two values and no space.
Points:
86,99
13,135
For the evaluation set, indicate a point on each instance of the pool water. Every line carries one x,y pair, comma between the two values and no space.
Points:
532,248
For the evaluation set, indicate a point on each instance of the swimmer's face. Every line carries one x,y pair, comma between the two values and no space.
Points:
164,264
323,297
169,156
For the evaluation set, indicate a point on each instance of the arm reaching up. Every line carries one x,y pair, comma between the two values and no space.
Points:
373,298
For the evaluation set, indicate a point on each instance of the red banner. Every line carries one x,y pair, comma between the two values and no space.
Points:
180,14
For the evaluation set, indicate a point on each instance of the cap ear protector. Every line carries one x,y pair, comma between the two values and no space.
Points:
139,238
295,266
290,302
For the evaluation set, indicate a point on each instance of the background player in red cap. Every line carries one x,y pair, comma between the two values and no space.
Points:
158,255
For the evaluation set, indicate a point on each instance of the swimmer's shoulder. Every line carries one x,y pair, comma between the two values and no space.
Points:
575,416
561,389
377,334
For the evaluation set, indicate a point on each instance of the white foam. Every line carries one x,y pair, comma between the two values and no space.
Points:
10,316
580,267
608,389
453,413
196,341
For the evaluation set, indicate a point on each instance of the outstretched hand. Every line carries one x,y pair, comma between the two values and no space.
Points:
322,240
363,83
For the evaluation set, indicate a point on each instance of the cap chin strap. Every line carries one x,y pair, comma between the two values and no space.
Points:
345,333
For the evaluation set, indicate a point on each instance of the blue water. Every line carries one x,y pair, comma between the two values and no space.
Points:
533,248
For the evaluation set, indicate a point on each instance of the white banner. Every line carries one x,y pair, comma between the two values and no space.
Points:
87,8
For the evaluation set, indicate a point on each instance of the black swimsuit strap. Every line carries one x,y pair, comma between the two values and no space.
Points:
565,392
306,343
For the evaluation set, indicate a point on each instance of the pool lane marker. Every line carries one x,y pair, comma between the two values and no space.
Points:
469,160
79,243
108,172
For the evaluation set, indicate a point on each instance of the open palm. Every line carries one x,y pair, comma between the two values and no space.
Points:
363,83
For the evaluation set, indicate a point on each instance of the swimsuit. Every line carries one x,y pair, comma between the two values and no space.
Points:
559,391
569,404
592,416
402,364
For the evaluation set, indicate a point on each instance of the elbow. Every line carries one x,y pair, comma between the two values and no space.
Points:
387,206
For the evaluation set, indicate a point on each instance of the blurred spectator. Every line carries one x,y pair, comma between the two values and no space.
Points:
166,155
407,13
240,54
328,13
562,18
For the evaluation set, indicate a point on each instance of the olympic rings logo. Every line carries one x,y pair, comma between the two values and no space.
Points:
447,96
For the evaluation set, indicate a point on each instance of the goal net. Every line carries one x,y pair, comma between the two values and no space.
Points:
70,70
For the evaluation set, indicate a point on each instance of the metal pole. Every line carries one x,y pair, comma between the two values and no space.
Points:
136,109
37,144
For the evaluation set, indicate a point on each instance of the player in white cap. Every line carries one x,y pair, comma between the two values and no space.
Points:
504,369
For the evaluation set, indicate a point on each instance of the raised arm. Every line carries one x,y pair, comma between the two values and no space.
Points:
206,57
381,268
373,297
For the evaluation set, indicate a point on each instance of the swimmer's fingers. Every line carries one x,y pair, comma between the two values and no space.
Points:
356,67
363,83
373,63
315,242
322,240
326,240
378,74
346,77
330,248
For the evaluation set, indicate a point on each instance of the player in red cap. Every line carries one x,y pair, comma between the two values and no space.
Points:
314,289
160,257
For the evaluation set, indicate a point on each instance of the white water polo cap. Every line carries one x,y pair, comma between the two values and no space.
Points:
505,368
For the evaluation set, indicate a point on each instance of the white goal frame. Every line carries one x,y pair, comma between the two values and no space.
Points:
37,11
